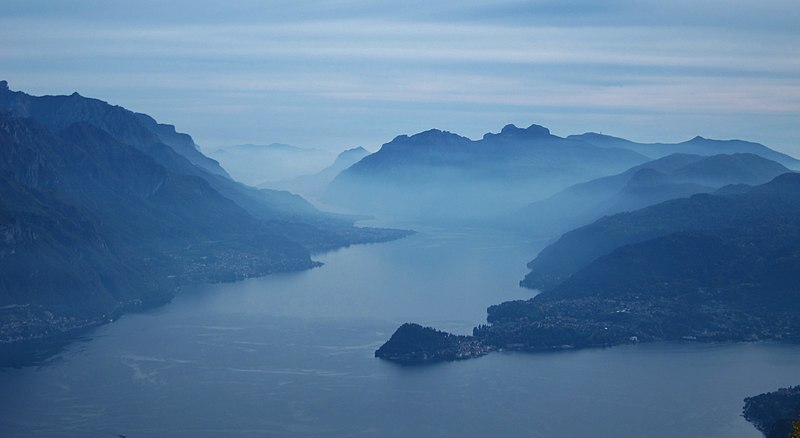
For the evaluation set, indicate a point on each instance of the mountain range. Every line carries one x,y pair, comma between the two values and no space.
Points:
541,182
139,130
747,210
670,177
441,175
696,146
98,214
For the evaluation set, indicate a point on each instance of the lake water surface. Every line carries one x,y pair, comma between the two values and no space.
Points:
292,355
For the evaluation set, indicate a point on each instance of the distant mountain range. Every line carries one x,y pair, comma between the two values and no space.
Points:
259,164
440,175
670,177
696,146
99,214
437,174
314,185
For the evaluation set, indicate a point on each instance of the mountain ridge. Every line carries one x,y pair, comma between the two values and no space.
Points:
454,176
58,112
581,246
697,145
315,229
674,176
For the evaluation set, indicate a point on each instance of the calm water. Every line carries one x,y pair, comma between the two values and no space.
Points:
291,355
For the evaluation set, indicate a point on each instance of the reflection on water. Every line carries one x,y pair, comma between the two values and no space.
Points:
291,355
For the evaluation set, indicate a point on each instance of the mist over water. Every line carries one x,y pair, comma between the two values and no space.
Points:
292,355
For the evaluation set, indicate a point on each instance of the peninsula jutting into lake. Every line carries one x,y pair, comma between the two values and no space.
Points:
776,414
716,267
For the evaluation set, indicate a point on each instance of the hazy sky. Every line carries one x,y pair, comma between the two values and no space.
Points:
336,74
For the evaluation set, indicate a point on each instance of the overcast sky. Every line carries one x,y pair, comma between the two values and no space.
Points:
336,74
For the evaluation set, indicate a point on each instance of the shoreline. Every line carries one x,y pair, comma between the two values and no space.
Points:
48,333
480,349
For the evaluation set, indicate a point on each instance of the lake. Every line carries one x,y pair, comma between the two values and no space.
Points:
292,355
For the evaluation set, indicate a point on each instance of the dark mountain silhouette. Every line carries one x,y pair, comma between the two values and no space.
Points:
58,112
696,146
139,130
314,229
315,185
91,225
670,177
747,210
441,174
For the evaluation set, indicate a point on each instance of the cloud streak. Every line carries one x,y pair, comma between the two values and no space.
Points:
390,41
516,60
